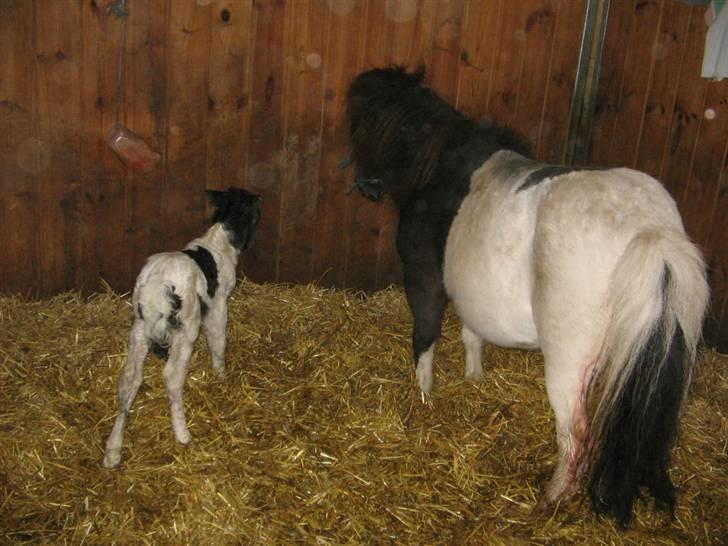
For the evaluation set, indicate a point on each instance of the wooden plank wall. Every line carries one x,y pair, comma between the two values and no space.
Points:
655,113
252,93
240,92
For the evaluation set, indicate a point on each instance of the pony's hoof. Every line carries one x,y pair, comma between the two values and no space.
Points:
476,376
543,506
219,372
112,458
424,380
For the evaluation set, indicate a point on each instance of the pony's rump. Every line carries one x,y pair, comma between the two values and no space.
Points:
657,297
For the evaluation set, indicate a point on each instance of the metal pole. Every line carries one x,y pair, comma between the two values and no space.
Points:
586,82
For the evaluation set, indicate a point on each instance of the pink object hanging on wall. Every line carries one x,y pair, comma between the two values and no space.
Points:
133,151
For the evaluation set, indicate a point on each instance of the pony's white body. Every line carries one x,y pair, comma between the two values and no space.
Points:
488,271
591,266
532,269
579,223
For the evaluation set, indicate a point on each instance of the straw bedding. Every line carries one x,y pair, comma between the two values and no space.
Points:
317,435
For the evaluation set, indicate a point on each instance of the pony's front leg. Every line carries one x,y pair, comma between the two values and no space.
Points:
473,354
128,386
427,301
175,372
215,323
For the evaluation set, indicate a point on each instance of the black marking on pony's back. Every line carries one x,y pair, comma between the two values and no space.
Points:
203,307
206,262
638,437
140,311
549,171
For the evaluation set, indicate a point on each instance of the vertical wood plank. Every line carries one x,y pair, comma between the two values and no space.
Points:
307,31
102,202
479,49
550,143
266,135
146,115
716,331
607,103
700,193
508,63
668,53
447,37
335,208
188,43
228,92
636,81
58,64
536,31
19,161
687,113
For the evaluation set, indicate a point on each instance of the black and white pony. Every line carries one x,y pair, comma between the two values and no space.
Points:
593,267
174,294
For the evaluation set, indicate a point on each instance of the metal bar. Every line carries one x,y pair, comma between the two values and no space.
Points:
586,82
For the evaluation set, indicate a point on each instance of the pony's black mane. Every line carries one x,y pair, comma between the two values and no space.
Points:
406,136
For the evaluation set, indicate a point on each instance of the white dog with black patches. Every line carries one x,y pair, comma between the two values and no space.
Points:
174,294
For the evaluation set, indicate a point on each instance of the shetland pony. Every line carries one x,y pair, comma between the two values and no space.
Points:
590,266
174,294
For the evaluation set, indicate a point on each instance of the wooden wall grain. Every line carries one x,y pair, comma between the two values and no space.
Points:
655,113
252,93
240,92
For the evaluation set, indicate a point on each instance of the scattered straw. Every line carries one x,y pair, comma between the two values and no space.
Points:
318,435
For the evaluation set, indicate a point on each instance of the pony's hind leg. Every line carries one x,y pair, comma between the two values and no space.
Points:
128,386
473,354
566,384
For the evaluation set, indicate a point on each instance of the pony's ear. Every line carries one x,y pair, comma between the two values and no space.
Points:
419,74
217,198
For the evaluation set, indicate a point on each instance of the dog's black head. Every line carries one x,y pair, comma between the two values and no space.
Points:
239,211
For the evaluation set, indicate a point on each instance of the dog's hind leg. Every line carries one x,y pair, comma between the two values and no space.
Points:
175,372
214,324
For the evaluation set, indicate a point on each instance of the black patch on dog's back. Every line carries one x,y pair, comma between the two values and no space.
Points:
207,265
203,307
539,175
176,304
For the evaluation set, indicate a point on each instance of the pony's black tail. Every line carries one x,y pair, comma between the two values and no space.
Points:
656,301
